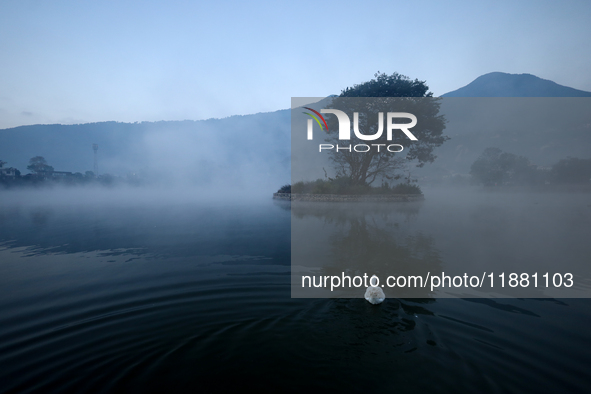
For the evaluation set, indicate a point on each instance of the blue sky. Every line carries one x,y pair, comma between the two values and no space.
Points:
89,61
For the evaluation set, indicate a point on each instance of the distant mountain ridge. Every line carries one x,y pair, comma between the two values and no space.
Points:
257,147
542,147
499,84
253,147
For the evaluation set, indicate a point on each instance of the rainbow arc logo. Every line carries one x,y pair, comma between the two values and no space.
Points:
316,119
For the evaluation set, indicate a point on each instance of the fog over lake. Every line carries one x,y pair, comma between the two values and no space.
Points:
140,288
455,230
191,273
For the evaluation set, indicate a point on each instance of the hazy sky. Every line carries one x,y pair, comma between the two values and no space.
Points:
88,61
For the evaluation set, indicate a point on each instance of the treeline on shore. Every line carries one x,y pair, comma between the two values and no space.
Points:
42,174
493,169
497,168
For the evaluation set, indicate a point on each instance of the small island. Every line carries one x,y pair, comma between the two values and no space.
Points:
355,173
343,190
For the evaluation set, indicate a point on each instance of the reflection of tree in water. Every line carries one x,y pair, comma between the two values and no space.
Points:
373,239
341,212
282,204
368,248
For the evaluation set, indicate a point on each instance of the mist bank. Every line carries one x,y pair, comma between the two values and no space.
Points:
544,130
123,195
236,153
254,151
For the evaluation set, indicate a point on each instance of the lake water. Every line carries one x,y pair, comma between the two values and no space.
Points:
138,294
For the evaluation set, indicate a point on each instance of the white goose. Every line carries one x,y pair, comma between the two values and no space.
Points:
374,294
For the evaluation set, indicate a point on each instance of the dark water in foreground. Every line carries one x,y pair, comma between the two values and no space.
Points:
139,297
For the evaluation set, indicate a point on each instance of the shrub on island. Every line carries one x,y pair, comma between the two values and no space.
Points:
343,186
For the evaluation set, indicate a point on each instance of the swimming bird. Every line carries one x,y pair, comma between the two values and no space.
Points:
374,294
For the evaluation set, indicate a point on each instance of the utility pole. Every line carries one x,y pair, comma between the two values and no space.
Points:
95,149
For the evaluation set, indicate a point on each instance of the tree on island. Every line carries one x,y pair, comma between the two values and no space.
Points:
2,163
391,93
39,165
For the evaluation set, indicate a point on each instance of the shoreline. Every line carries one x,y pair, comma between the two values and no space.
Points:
348,197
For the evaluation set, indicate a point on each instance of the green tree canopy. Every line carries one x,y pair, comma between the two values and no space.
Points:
395,85
392,93
39,165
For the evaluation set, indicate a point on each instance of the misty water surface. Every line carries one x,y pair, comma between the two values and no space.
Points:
452,232
136,289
